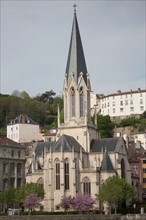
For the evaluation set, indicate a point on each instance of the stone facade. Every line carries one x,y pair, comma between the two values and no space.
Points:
77,162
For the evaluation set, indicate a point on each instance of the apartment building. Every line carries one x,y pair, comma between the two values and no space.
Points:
123,104
22,129
12,164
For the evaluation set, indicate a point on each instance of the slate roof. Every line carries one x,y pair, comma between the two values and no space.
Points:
106,164
41,145
99,145
76,60
22,119
67,143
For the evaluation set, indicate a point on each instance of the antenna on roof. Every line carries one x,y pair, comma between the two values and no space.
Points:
74,8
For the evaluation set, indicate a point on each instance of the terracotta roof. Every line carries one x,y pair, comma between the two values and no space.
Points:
125,93
7,141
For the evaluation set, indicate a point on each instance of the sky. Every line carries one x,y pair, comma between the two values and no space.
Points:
35,37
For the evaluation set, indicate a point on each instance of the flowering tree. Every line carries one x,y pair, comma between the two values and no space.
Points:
66,202
32,201
80,203
83,203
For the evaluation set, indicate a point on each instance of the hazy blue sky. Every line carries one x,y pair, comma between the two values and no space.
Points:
35,38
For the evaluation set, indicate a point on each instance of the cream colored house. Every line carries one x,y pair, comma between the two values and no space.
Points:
77,162
23,129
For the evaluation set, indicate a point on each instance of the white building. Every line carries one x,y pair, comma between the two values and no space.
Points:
123,104
22,129
77,162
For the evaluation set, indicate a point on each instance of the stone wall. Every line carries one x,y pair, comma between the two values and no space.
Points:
77,217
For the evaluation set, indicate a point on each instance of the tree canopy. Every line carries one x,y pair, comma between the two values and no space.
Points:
115,189
42,108
105,126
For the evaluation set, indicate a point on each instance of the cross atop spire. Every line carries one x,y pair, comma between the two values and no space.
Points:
74,8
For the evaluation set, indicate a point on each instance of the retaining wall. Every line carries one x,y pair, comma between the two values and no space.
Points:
77,217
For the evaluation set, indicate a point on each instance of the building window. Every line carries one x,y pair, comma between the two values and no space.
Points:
121,102
57,174
144,180
18,182
12,182
40,183
121,109
108,104
113,97
113,103
140,94
144,170
5,183
12,168
19,168
72,102
113,110
86,186
66,174
122,168
131,102
144,161
141,101
131,109
19,153
141,108
126,102
12,153
81,102
5,168
4,152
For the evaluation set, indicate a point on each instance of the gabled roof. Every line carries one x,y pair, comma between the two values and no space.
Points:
76,60
99,145
106,164
67,143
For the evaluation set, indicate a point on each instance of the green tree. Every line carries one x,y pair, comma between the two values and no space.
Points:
130,121
104,126
26,189
114,190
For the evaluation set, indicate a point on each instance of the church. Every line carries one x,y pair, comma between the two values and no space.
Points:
78,161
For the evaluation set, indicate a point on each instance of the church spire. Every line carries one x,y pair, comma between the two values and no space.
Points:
76,60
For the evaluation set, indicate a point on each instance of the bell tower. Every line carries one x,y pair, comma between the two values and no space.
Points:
76,93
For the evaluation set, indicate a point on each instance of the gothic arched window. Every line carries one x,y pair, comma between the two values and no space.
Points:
40,183
66,174
81,102
72,92
57,169
86,186
122,168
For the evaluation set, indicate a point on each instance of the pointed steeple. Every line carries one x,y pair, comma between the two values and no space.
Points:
76,60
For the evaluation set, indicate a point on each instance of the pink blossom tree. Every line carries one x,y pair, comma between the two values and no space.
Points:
80,203
83,203
32,201
66,202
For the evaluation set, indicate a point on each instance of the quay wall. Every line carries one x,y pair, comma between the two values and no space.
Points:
76,217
